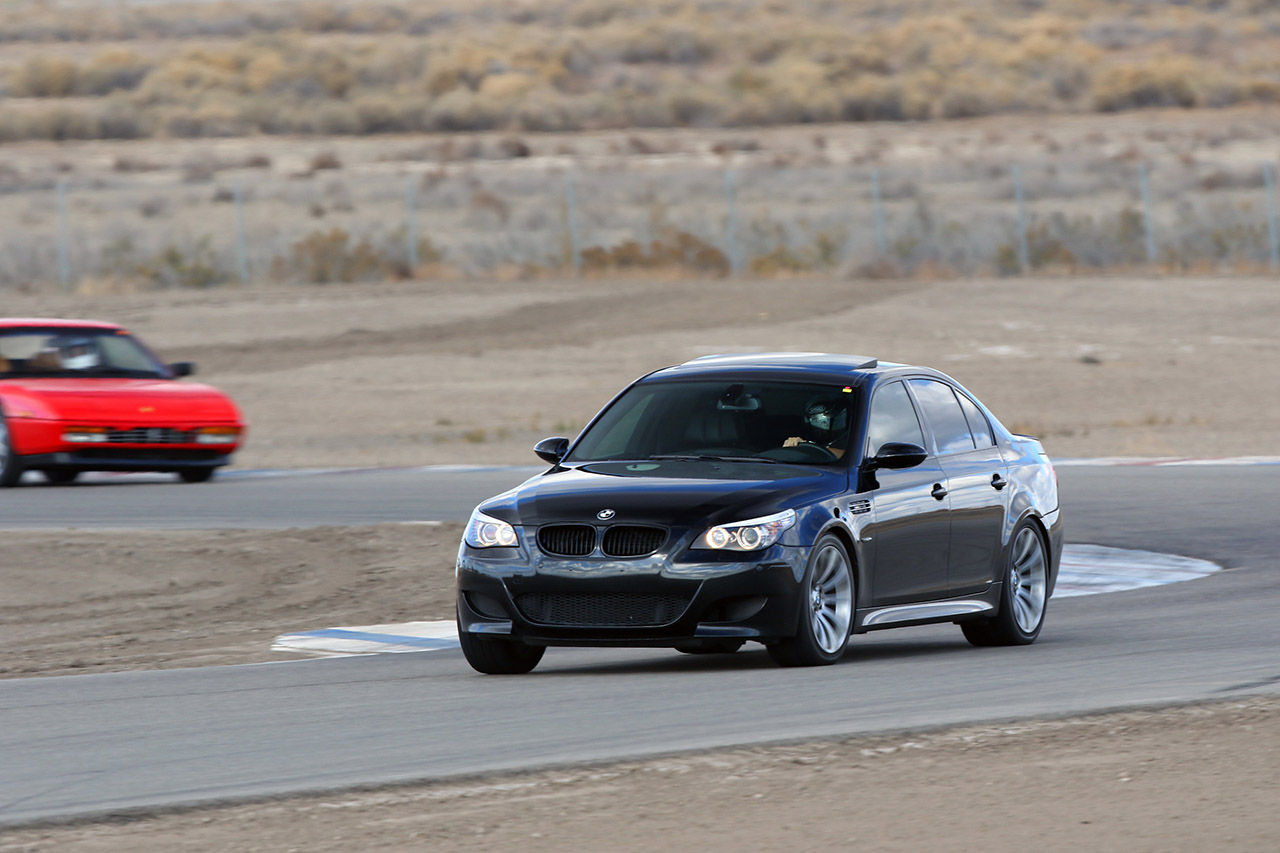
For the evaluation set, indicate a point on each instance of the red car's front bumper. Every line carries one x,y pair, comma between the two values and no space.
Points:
61,444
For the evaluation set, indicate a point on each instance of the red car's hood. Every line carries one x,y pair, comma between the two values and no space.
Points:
135,401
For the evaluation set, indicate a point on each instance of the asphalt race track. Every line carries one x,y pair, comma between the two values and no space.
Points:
81,745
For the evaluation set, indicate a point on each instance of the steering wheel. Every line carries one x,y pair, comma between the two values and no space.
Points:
805,451
816,452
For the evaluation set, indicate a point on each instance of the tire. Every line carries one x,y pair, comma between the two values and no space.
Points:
10,462
196,475
499,657
1023,595
60,476
828,593
710,647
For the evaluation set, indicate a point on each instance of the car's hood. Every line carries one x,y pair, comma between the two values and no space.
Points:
665,493
123,401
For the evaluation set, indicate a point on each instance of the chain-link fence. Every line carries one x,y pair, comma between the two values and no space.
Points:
716,215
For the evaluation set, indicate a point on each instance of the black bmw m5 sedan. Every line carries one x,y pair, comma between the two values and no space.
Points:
789,499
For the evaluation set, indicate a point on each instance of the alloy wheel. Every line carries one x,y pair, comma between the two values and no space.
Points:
1027,583
831,600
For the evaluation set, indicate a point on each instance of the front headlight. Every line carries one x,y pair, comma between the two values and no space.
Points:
486,532
217,435
750,535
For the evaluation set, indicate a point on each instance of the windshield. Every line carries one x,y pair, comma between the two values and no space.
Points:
747,421
72,352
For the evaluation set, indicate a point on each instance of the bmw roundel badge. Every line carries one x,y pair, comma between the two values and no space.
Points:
605,514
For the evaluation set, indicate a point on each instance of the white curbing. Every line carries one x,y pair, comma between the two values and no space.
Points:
1085,570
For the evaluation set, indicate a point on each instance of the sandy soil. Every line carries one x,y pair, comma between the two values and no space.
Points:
433,372
447,373
1182,779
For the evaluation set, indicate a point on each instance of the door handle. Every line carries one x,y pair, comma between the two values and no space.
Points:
998,482
938,492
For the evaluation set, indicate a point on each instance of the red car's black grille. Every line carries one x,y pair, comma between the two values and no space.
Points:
598,610
150,435
567,540
626,541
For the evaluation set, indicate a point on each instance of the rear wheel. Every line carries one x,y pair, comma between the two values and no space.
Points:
10,462
499,657
196,475
826,615
61,476
1023,598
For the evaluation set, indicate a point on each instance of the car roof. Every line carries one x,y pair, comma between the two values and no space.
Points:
806,366
52,323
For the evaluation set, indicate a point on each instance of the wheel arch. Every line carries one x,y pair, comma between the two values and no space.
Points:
842,532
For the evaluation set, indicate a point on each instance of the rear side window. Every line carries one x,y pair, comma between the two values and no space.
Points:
982,434
892,418
946,418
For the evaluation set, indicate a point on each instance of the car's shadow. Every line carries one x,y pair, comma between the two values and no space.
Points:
751,657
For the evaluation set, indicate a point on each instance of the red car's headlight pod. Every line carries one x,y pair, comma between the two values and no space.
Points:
218,435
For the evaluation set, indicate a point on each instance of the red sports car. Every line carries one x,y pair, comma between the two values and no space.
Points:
78,395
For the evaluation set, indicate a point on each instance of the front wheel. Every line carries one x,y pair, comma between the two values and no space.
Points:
826,612
499,657
61,476
196,475
1023,598
10,462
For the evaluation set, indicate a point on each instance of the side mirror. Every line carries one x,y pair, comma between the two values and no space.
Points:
552,449
183,368
895,454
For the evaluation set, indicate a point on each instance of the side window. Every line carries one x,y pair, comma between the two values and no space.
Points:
946,419
892,418
982,434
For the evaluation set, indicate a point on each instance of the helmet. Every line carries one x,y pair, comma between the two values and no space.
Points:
78,353
826,418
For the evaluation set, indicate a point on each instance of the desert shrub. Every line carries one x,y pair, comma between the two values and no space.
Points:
1166,82
196,267
112,71
325,160
331,256
46,77
673,250
120,119
872,98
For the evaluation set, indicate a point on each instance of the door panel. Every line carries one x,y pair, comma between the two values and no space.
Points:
977,518
911,535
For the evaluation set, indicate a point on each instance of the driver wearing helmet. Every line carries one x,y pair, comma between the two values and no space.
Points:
826,425
80,353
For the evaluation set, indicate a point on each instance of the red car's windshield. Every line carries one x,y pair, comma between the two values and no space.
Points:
75,352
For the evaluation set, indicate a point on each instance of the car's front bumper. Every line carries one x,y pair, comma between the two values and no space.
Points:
650,602
41,445
163,459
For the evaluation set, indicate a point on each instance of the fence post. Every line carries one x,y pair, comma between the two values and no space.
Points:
1144,185
1024,253
411,226
64,237
571,202
242,246
1273,228
877,203
731,229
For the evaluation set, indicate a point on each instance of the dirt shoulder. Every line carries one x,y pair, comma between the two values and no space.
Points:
1180,779
104,601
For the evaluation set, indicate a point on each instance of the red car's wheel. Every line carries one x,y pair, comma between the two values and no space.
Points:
10,462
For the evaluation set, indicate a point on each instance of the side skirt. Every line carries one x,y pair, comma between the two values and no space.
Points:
926,612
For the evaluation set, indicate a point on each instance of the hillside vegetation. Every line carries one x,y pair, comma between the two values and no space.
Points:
236,68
